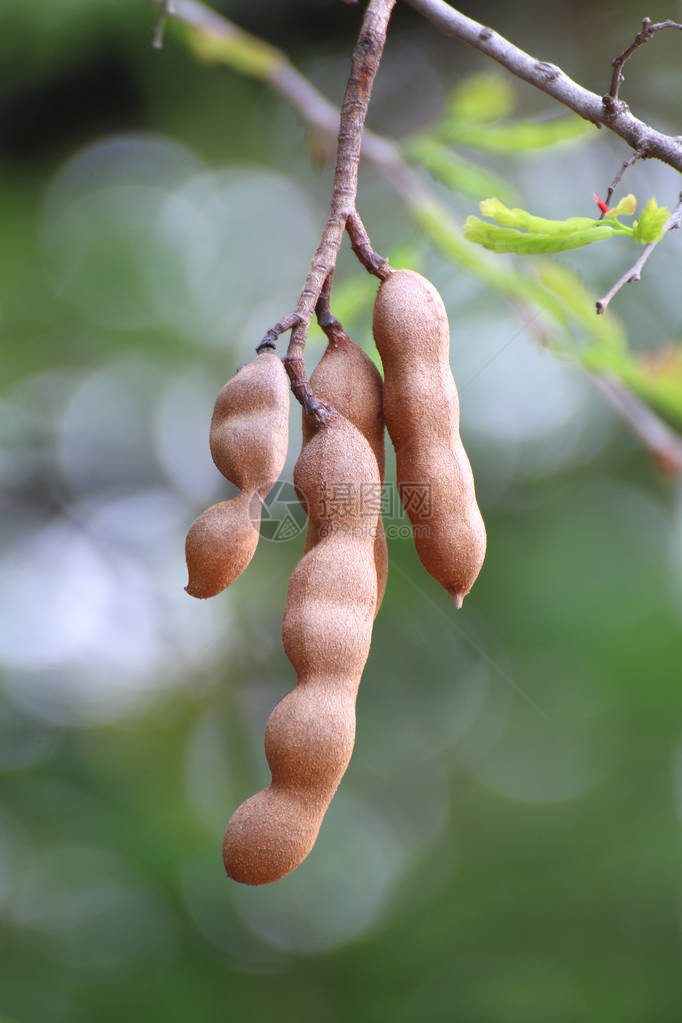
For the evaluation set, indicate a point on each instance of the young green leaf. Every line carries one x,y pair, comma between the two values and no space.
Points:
626,207
496,210
448,238
510,239
651,225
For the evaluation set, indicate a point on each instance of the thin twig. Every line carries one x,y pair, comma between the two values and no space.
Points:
635,271
325,318
362,247
364,65
166,9
272,65
327,321
639,155
643,36
279,328
552,80
322,310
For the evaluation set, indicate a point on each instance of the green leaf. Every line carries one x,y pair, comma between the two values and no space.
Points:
457,174
516,136
496,210
651,225
509,239
448,238
626,207
524,233
483,97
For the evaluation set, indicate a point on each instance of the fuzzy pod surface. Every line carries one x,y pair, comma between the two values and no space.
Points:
421,409
249,437
326,631
347,379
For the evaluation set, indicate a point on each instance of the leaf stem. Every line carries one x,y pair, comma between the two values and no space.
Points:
634,273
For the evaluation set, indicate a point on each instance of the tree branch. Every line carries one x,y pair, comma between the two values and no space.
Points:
600,110
643,36
635,271
320,114
216,36
364,65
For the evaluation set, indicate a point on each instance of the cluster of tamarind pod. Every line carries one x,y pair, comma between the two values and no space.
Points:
337,587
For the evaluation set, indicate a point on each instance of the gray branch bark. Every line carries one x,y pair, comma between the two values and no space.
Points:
600,110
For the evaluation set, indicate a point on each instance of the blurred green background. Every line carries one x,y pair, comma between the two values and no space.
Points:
505,846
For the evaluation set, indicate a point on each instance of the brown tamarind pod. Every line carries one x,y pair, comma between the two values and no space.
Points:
326,631
347,379
249,438
421,409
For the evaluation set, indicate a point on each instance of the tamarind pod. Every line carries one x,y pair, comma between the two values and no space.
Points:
249,434
220,544
326,631
248,438
347,379
421,409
